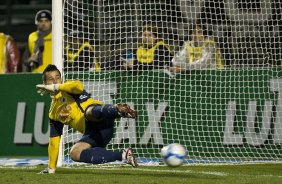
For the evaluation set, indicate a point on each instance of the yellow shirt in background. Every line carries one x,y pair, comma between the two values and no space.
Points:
47,53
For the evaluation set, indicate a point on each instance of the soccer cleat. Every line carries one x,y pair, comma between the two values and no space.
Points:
128,156
125,111
47,171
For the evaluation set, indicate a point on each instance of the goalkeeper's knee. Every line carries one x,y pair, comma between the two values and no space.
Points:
100,112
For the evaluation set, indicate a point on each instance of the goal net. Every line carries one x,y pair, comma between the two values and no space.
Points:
221,98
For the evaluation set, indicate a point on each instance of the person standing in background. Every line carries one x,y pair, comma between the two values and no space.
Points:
200,52
39,51
79,54
9,55
152,53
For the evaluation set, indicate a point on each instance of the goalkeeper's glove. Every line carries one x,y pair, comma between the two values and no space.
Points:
47,171
42,89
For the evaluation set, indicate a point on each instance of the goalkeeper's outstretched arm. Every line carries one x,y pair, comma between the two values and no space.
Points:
53,152
73,87
56,129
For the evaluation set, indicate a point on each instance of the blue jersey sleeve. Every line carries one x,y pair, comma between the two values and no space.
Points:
56,128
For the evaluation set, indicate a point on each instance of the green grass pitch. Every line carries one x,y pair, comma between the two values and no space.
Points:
200,174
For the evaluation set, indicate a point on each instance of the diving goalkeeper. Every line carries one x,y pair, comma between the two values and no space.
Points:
72,105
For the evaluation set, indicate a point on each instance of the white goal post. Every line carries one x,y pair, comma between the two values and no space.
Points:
57,50
227,115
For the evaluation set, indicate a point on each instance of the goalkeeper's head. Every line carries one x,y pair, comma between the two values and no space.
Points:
52,75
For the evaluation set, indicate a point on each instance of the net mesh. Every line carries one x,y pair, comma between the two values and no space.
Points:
220,96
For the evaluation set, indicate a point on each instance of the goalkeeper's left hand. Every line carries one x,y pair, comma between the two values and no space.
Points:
47,171
42,89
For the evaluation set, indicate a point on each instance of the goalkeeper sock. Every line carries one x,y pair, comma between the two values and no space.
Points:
107,111
99,155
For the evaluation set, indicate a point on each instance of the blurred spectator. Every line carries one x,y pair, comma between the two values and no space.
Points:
79,54
200,52
9,55
39,52
151,54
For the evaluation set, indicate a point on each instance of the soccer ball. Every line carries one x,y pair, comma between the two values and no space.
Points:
173,154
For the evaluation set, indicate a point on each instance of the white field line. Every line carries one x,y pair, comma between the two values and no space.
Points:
185,171
163,171
223,174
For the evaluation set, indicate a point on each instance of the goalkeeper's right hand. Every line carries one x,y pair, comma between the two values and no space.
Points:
43,89
47,171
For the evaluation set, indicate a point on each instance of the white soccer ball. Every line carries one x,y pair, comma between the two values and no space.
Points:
173,154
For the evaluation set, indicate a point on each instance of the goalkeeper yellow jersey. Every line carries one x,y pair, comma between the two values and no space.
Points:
69,104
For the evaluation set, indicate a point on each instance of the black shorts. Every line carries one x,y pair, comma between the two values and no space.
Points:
98,134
